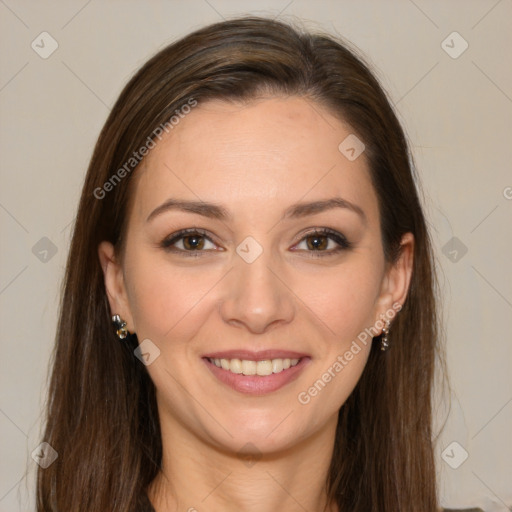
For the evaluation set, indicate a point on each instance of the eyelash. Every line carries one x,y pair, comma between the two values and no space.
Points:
343,243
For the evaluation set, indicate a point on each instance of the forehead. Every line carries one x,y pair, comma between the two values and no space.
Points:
254,156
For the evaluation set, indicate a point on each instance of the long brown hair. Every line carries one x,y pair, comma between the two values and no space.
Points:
102,417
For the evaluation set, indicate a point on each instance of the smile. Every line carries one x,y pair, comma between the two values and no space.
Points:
256,376
248,367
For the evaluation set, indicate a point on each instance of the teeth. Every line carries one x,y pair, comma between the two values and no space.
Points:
249,367
235,365
277,365
246,367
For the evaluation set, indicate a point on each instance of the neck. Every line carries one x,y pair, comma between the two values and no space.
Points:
198,476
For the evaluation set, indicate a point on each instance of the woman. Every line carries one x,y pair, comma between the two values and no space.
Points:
250,224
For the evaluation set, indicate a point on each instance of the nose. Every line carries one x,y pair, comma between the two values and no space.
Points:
256,296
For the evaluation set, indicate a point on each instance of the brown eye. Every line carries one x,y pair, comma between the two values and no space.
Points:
317,242
189,242
324,242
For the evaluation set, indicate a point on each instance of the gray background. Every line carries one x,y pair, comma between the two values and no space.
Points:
455,105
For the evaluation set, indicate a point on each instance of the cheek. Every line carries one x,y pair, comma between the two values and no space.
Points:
166,299
342,298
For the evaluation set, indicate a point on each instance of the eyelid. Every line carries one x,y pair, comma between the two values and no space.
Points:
331,234
167,243
337,237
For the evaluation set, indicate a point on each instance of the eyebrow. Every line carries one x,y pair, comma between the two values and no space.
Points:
215,211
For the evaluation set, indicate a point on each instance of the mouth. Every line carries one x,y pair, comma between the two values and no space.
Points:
248,367
256,373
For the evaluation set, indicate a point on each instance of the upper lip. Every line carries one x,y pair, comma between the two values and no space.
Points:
256,356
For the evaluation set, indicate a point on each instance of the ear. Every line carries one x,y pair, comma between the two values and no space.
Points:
114,284
397,279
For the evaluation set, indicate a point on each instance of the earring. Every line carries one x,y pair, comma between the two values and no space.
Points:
120,326
384,344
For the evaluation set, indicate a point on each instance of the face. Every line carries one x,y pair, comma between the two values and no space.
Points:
281,260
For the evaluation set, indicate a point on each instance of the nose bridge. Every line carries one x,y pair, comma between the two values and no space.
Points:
255,295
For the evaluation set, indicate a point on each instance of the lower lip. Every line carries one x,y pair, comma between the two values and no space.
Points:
257,384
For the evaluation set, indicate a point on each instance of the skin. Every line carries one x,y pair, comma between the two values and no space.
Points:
254,159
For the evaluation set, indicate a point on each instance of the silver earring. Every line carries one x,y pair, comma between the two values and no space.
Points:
384,343
120,326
